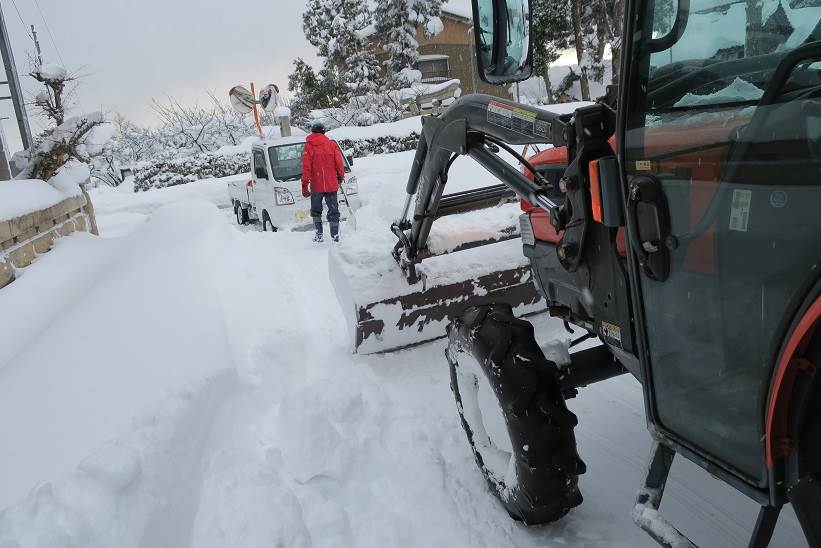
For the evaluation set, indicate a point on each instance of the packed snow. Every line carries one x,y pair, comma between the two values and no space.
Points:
188,382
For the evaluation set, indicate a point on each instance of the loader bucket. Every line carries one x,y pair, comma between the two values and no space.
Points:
384,312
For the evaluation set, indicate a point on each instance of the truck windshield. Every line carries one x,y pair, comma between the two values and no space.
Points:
728,51
286,161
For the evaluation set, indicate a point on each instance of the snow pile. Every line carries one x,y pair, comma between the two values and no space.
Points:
19,197
493,223
738,91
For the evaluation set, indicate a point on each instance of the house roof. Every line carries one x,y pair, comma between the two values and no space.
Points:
458,8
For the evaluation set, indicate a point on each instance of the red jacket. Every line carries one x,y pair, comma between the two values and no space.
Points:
322,164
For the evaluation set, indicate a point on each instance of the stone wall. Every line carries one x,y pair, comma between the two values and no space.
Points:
23,238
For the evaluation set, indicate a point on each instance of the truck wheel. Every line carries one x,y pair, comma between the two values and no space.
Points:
242,215
267,225
528,453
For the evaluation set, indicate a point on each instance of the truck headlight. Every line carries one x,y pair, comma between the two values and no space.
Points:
283,196
351,185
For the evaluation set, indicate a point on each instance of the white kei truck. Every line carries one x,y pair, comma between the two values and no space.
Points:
273,195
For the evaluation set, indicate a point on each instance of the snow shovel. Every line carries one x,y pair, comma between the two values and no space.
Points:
351,217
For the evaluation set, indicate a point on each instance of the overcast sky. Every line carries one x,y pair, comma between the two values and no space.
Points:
132,50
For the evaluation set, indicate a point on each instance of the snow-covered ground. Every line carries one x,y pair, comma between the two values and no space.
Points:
182,381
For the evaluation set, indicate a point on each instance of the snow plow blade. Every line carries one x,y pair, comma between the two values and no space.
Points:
385,313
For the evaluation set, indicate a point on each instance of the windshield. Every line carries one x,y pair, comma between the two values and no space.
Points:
727,52
286,161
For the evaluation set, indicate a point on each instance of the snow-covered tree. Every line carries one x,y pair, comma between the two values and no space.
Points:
427,14
396,33
316,24
51,101
351,51
313,90
132,143
552,33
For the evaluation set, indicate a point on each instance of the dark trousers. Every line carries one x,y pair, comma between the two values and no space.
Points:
332,201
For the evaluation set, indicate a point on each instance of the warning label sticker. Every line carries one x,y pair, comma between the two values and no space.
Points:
740,210
611,334
517,119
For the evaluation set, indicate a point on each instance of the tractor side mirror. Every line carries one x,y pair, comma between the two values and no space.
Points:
502,31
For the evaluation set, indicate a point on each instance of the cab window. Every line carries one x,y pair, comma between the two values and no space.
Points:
736,151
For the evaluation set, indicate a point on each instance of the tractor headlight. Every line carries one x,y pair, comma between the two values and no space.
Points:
351,185
283,196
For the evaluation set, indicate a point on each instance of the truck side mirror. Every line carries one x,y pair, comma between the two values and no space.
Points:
349,157
260,173
502,30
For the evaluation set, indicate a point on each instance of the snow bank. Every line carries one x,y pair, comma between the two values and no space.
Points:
22,196
402,128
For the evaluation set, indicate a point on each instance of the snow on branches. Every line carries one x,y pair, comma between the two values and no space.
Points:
348,36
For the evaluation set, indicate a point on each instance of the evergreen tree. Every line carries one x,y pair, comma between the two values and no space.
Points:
552,33
351,50
316,23
427,14
313,90
397,37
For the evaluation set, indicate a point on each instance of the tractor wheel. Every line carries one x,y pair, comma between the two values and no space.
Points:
511,407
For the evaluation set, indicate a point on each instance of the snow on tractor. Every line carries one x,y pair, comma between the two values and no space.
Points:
675,222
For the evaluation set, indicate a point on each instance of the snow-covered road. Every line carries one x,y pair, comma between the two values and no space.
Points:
190,383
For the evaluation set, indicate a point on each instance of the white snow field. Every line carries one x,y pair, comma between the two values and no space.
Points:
181,381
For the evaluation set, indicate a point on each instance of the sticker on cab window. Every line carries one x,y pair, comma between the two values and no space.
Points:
740,210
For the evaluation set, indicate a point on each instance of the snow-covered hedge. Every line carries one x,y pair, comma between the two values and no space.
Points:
379,145
179,171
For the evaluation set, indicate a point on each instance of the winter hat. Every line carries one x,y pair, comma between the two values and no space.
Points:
318,127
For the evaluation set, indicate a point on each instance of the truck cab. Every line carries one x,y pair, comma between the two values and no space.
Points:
273,194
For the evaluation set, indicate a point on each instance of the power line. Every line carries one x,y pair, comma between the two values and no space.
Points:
25,28
48,29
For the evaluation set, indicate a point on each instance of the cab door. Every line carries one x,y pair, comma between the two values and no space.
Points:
263,185
721,145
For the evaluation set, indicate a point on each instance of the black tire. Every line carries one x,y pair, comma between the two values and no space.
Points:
242,214
267,225
527,389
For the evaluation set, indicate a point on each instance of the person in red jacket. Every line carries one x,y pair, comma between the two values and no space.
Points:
322,171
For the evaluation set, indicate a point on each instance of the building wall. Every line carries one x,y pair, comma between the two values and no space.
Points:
456,41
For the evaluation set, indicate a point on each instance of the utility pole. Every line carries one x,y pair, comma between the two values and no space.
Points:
14,84
37,46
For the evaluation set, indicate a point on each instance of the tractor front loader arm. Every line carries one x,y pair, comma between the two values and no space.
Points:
475,125
478,126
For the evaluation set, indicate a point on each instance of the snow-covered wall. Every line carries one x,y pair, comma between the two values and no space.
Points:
33,214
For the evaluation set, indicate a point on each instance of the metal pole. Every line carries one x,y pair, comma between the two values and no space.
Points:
14,84
37,46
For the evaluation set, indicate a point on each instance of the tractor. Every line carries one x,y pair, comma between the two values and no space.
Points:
675,222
